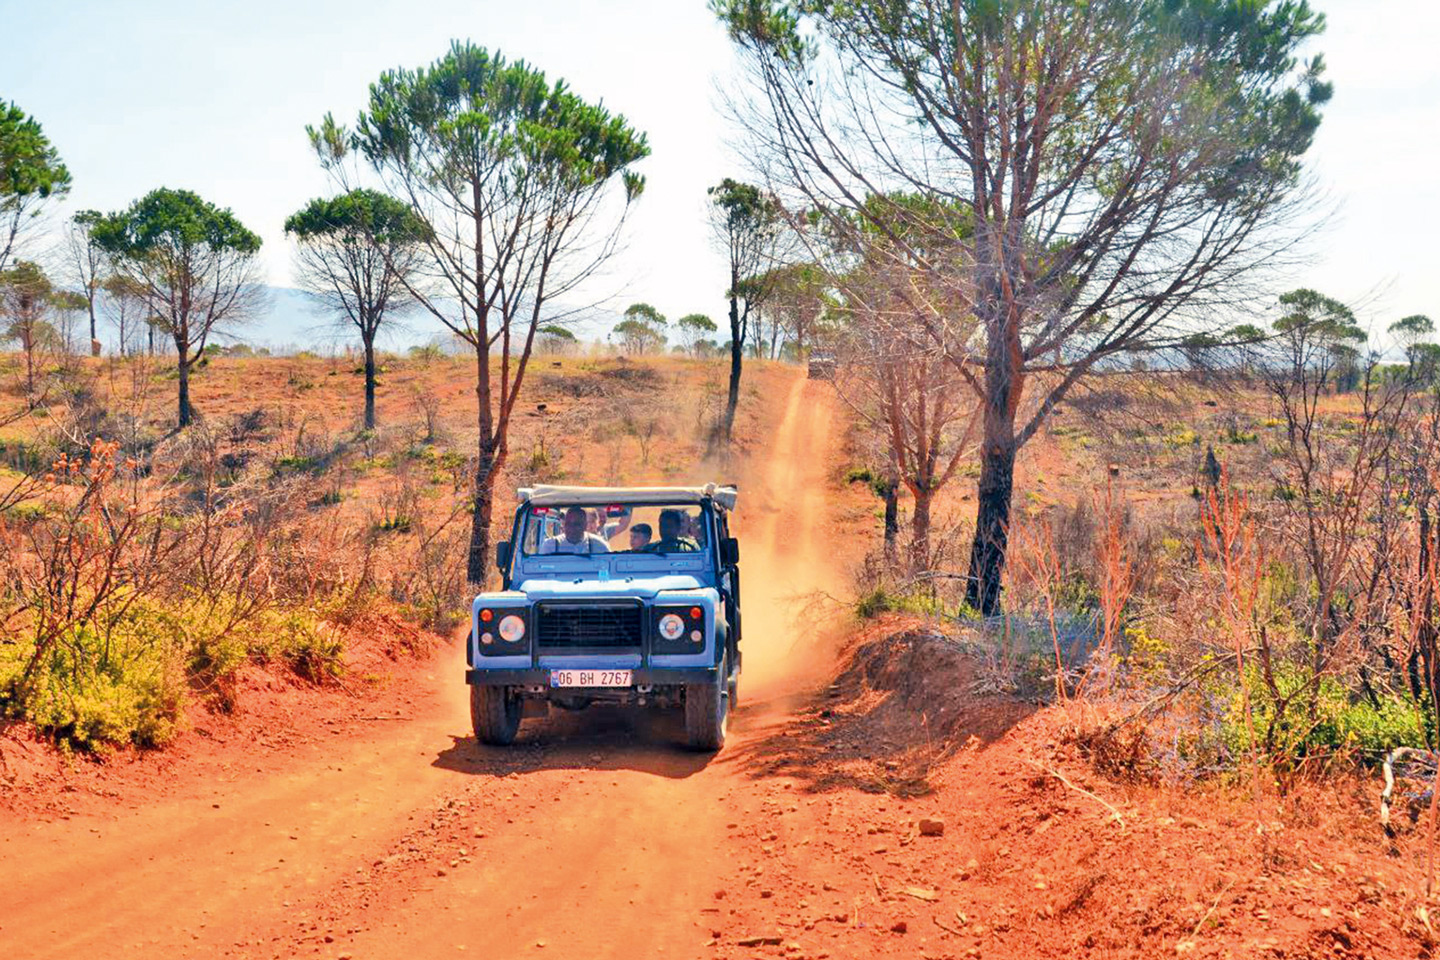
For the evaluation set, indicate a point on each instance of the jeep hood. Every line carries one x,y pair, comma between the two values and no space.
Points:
575,588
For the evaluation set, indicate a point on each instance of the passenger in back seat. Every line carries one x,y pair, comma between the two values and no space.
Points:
640,535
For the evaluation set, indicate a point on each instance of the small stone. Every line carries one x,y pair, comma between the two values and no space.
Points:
932,827
900,927
766,894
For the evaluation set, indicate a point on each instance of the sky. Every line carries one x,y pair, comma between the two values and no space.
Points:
214,96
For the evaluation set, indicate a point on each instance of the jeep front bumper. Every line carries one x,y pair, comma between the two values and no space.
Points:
639,677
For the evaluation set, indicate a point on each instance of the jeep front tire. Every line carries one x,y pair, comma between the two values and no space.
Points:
707,712
495,715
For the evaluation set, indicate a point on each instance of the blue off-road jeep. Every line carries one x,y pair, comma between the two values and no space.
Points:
611,595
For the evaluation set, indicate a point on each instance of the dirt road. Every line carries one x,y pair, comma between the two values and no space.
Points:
593,837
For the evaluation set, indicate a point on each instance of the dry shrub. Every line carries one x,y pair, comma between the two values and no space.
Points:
130,588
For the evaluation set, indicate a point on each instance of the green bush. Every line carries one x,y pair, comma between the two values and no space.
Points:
298,638
121,685
1342,721
1235,435
126,681
880,601
1182,437
299,464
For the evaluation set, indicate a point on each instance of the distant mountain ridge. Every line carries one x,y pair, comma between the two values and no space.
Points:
290,321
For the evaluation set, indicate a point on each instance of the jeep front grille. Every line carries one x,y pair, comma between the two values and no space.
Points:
570,625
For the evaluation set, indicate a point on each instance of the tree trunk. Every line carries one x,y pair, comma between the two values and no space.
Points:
486,466
992,516
27,343
186,413
478,565
369,383
920,531
732,399
892,517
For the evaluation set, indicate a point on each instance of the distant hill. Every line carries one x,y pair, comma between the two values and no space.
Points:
291,322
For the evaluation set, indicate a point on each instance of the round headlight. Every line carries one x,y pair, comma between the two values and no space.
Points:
671,627
512,628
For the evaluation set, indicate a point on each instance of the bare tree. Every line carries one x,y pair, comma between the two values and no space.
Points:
26,302
1328,478
86,265
888,370
1126,166
125,308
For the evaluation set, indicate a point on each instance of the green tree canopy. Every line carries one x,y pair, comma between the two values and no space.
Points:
525,186
195,263
1316,337
1124,163
31,173
361,215
695,329
359,256
646,314
641,331
1412,331
1313,315
557,332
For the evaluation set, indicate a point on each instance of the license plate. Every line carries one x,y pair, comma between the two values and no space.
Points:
589,678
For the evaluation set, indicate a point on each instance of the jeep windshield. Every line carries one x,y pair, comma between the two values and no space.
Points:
618,528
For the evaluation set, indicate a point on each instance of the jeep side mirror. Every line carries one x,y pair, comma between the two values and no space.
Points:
502,555
729,551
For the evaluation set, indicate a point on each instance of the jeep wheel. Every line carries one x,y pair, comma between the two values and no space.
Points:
495,714
707,712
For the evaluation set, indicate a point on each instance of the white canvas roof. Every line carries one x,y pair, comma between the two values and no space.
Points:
550,496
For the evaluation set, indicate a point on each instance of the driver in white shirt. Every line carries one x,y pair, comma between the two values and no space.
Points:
574,538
